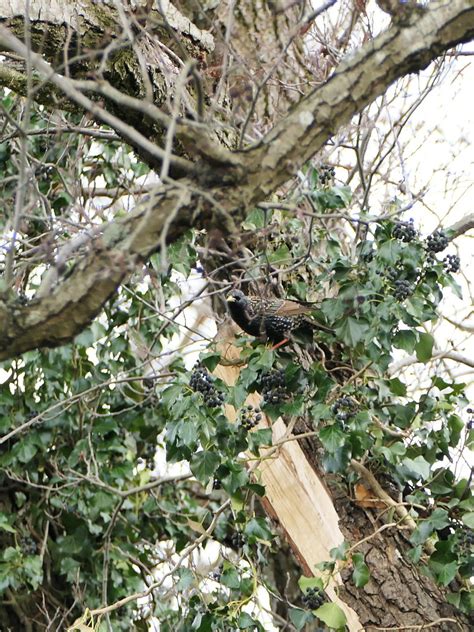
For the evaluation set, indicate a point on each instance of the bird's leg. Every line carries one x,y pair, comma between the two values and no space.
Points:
280,344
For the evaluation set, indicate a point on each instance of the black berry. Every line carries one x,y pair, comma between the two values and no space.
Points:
344,408
237,540
402,289
326,173
273,387
436,242
405,231
28,545
313,598
452,263
249,417
202,382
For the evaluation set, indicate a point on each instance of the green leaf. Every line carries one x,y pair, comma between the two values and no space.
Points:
447,573
397,387
332,615
468,519
257,529
258,438
310,582
332,437
255,219
405,339
256,489
186,579
230,578
25,450
361,573
245,621
339,552
456,427
236,478
439,518
33,568
417,468
414,555
352,331
424,347
5,525
299,617
280,256
204,464
454,285
389,251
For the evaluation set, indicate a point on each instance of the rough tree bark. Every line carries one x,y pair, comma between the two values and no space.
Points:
223,184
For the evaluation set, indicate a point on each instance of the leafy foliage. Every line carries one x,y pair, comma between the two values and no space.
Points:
86,519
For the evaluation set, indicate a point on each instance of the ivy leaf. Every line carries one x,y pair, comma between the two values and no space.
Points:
439,518
339,552
332,437
332,615
255,219
454,285
310,582
186,579
352,331
397,387
447,573
245,621
258,438
4,524
405,339
361,573
424,347
257,529
417,468
230,578
468,519
204,464
299,617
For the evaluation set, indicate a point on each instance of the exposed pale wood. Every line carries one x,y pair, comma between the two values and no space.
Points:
295,495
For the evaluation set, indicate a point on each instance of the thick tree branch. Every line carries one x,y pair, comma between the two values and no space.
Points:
254,174
403,49
463,226
437,355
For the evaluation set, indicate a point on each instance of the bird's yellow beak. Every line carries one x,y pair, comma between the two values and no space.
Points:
230,298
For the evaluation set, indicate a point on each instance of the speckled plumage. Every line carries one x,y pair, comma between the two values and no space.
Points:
274,318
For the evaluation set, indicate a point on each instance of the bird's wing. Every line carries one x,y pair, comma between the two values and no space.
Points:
291,308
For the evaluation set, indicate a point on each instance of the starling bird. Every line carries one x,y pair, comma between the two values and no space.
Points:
272,318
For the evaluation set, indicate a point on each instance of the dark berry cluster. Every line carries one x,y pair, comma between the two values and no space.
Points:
202,382
452,263
216,575
402,289
273,387
437,241
466,543
344,408
237,540
313,598
326,173
470,421
393,274
216,483
28,545
249,417
405,231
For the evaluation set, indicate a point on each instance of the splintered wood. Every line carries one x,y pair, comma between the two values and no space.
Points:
294,495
